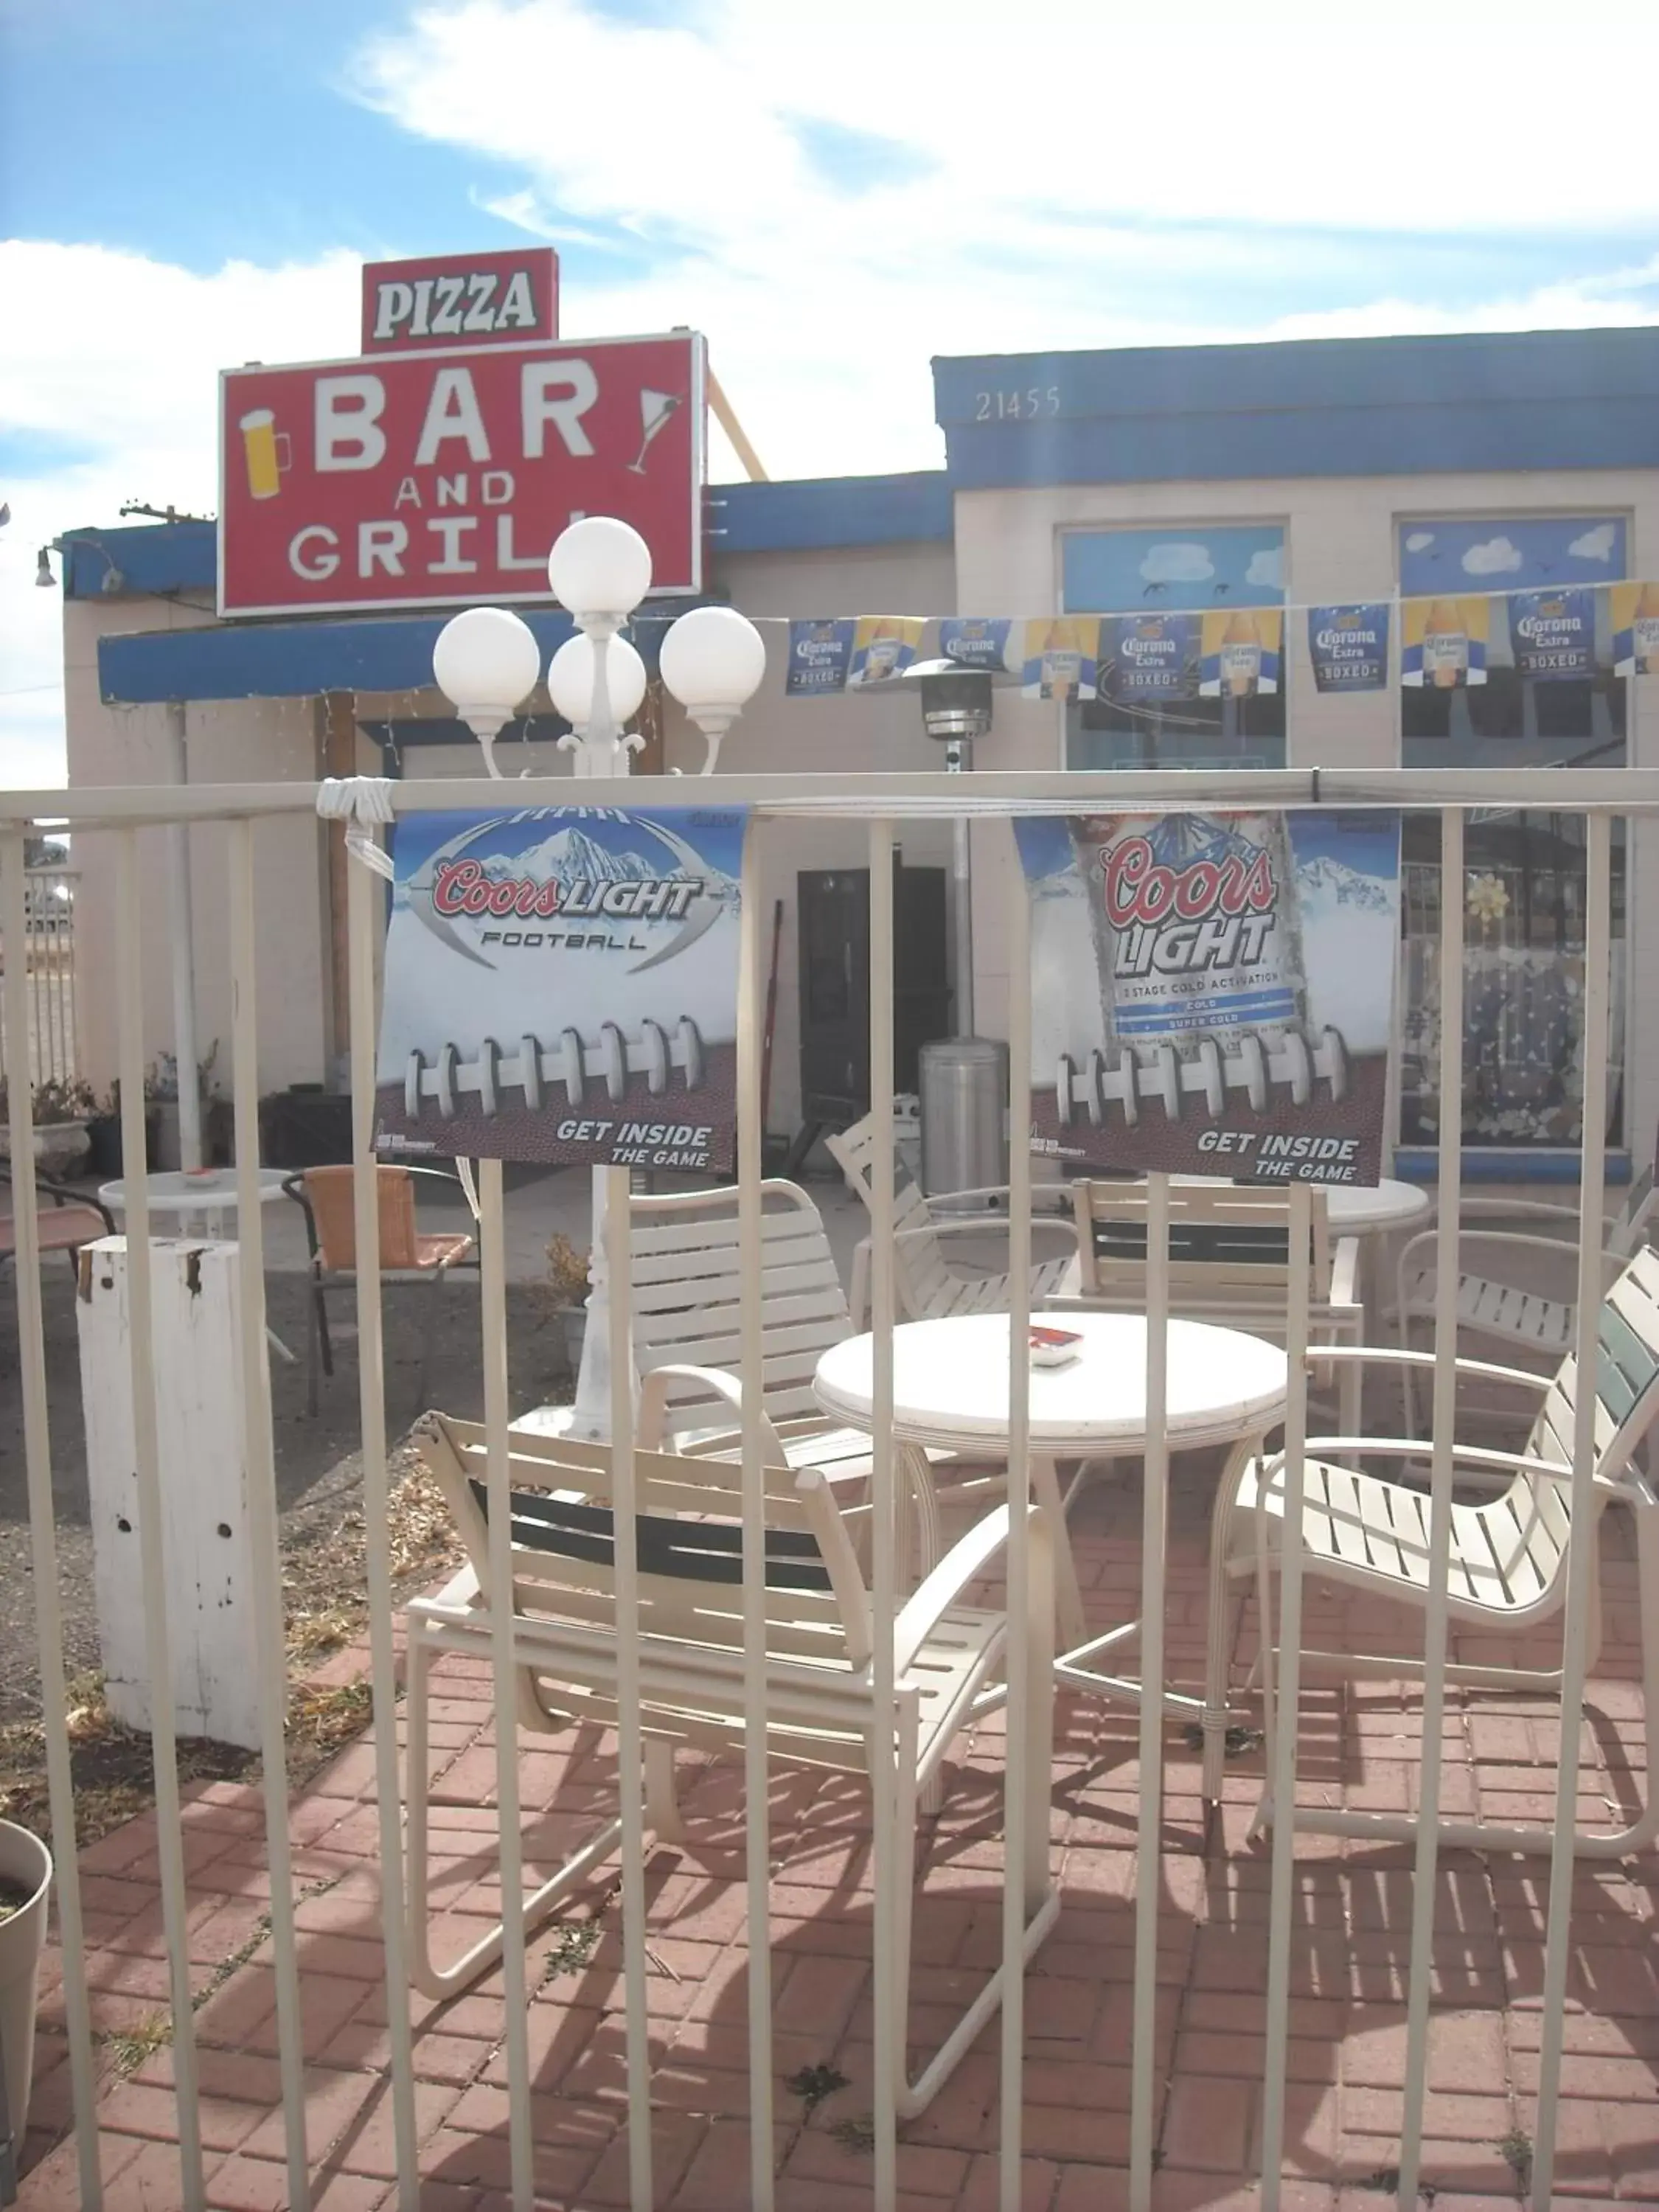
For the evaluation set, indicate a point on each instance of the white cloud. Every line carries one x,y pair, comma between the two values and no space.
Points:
1419,541
1176,563
1266,569
1495,558
1596,544
679,150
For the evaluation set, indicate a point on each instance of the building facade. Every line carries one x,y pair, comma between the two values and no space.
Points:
1276,477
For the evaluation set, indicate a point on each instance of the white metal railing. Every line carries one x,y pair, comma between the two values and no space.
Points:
881,802
41,947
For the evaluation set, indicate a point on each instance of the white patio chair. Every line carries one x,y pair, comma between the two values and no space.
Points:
1230,1263
932,1284
688,1316
1504,1312
1509,1555
821,1707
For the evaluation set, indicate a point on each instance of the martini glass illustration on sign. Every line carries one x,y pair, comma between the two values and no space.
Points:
656,408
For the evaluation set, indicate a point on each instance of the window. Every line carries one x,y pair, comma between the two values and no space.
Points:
1179,570
1524,886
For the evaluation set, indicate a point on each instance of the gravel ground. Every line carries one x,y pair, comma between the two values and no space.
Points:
319,1473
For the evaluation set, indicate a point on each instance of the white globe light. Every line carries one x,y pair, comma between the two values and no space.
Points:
713,660
600,566
570,680
485,661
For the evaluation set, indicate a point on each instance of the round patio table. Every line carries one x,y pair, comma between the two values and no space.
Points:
1357,1209
950,1392
209,1195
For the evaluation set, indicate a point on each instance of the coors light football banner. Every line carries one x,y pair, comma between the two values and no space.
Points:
562,987
1213,994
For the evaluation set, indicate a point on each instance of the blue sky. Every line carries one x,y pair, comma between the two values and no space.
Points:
832,190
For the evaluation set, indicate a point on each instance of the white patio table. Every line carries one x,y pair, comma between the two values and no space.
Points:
208,1195
950,1392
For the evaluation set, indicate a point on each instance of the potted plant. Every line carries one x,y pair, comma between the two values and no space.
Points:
62,1111
106,1159
566,1290
25,1882
161,1086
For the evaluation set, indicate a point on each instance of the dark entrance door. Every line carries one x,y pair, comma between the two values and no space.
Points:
833,907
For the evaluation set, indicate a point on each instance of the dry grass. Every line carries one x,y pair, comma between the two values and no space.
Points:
326,1595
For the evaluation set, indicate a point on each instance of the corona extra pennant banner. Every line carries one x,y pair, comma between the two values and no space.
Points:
1061,658
1443,643
1552,633
980,641
884,645
1239,654
1148,658
1349,647
1213,994
1635,611
820,654
562,987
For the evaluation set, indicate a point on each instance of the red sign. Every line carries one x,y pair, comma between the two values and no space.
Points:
461,299
442,479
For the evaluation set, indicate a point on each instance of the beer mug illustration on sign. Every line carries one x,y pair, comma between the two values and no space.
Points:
1445,646
267,451
1240,657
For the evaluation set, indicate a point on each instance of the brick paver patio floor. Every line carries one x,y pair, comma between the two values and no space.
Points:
1360,1747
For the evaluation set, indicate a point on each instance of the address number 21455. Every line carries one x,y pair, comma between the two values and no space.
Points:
1016,406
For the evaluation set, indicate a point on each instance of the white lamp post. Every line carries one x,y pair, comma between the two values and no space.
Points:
486,661
713,660
572,683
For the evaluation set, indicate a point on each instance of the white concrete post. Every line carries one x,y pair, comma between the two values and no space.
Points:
196,1291
182,926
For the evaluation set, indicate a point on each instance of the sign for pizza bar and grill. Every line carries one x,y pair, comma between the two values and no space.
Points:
440,476
456,299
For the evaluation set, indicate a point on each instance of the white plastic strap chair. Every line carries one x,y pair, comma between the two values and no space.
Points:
933,1283
821,1707
1509,1554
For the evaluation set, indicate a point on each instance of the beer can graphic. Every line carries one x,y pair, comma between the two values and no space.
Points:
1445,646
1199,966
267,452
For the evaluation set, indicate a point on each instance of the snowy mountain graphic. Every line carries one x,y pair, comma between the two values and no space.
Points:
1328,883
571,856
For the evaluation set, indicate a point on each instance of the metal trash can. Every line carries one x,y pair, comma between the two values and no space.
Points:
963,1082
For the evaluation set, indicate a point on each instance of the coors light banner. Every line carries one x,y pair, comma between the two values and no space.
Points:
562,987
1213,994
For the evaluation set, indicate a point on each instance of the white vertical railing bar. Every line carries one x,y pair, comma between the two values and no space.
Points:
1149,1857
1021,1796
158,1643
753,1368
363,901
1282,1730
43,1534
1443,1429
1582,1562
263,1544
630,1745
498,1473
890,2032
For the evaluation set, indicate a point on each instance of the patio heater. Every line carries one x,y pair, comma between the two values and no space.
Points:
956,709
712,659
963,1078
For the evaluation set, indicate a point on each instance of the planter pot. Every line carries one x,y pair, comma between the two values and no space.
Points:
573,1320
59,1146
26,1861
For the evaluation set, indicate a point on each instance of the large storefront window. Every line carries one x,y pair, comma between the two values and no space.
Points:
1198,586
1524,882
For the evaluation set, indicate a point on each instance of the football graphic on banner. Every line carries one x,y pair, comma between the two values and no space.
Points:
562,987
